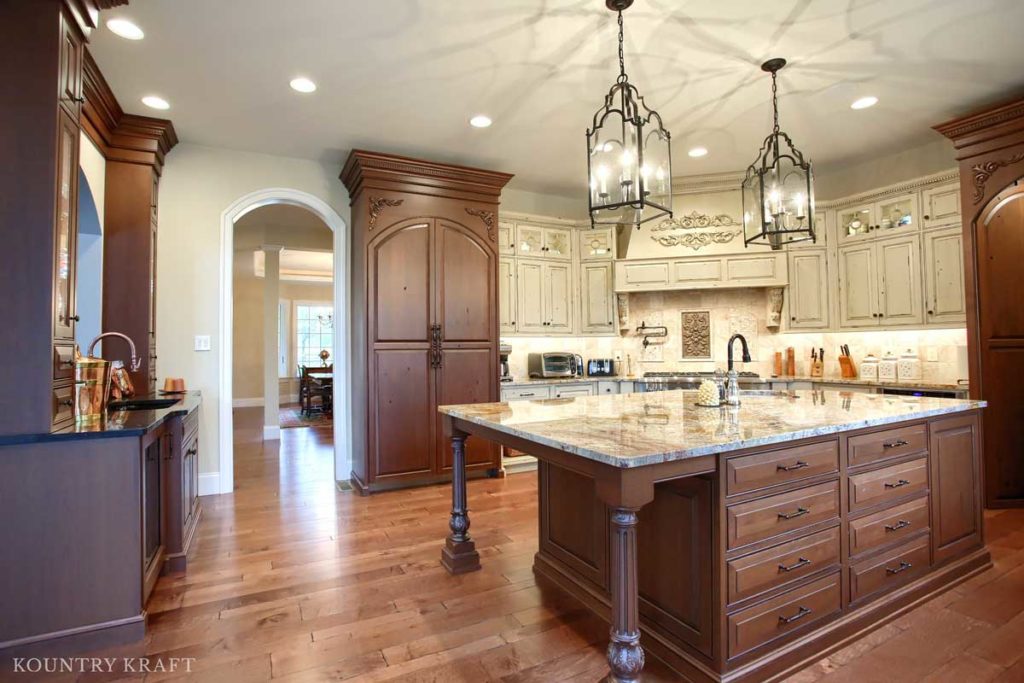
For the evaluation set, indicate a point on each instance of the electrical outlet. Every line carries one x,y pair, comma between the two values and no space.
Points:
932,354
202,342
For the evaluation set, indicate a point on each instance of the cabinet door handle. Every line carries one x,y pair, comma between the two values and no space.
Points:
798,465
800,614
902,524
800,512
895,444
904,566
898,484
802,562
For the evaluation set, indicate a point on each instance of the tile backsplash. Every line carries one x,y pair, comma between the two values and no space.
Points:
744,311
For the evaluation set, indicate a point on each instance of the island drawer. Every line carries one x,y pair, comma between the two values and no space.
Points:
796,610
875,575
763,518
891,443
888,526
887,484
768,569
762,470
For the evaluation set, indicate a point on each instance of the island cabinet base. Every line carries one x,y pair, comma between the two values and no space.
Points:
786,552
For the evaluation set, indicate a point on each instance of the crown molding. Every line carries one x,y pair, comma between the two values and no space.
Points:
911,185
388,171
959,128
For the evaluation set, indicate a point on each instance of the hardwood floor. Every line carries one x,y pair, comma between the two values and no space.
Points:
292,580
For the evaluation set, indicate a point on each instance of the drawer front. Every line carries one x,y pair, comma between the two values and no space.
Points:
63,405
190,424
525,393
576,390
890,483
875,575
888,526
761,470
891,443
63,361
760,519
762,571
789,612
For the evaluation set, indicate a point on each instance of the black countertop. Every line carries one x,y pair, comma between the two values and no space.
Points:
118,423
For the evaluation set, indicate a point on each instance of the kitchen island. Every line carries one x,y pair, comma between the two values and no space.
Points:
742,542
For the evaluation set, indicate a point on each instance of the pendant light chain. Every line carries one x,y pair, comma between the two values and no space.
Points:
775,102
622,55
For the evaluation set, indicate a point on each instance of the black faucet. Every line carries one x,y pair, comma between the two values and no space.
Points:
746,351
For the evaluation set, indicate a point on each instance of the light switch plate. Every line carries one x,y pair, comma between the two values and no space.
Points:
931,354
202,342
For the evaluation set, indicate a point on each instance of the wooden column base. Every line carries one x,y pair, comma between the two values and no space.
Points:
460,557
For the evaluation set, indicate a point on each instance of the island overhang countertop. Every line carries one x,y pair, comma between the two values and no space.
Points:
635,430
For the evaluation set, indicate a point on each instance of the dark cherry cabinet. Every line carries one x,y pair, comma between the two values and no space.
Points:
181,475
155,451
955,446
425,313
990,150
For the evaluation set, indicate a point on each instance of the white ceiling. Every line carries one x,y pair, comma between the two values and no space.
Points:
298,265
405,75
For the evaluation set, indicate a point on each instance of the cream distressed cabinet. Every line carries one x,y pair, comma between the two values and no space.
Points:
544,297
940,206
944,277
545,243
506,238
596,244
807,297
507,304
597,302
880,283
887,217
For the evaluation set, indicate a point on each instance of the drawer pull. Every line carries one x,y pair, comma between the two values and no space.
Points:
798,465
800,614
800,512
902,524
904,566
896,444
67,402
529,394
898,484
802,562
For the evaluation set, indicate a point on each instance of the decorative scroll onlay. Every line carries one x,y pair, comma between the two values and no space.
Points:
487,217
695,220
695,240
982,173
377,205
696,334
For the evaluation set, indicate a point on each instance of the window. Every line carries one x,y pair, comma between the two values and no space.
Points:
314,327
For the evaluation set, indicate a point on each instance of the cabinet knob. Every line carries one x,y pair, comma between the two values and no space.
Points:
75,318
931,312
793,318
513,322
67,402
926,216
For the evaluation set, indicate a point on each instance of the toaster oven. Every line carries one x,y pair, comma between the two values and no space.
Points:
545,365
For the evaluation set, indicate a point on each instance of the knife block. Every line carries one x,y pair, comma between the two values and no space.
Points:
817,368
847,369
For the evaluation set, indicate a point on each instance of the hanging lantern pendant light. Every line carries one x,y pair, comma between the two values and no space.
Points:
778,190
629,159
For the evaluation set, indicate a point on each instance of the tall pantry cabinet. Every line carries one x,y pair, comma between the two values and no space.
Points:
424,313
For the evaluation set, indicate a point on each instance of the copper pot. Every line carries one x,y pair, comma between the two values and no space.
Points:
92,387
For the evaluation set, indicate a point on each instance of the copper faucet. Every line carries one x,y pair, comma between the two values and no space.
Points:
136,361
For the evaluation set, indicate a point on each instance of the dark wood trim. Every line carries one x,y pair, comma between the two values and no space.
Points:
386,171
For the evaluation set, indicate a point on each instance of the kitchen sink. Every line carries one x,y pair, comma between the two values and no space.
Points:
143,403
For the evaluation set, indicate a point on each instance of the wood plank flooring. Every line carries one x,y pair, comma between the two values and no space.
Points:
292,580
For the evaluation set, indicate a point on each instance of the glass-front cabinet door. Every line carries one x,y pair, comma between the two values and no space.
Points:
855,222
557,243
529,240
897,215
65,229
595,244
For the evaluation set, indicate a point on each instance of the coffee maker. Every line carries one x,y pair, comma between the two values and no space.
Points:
504,351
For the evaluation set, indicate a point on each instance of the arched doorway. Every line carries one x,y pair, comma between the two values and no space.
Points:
342,421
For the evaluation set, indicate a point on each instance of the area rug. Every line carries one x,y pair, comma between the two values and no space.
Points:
291,417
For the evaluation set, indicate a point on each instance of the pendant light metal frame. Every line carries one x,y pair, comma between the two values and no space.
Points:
768,164
624,100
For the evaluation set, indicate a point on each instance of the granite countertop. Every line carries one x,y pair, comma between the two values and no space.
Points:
632,430
118,423
857,381
533,381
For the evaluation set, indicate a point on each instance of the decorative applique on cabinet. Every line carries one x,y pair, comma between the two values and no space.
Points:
695,221
377,205
487,217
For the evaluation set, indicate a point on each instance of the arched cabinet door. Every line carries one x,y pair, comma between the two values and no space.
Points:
466,303
999,252
400,377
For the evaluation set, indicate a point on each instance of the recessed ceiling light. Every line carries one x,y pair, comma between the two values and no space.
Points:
126,29
864,102
302,84
698,152
480,121
155,102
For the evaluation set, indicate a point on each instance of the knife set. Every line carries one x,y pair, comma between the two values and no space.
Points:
847,369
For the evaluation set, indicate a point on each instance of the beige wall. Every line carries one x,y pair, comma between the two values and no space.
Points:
841,180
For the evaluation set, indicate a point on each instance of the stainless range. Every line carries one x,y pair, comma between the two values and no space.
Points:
667,381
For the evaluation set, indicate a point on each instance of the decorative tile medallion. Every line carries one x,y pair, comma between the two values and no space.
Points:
696,335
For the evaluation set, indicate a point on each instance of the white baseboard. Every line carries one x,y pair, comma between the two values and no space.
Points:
271,432
209,483
257,402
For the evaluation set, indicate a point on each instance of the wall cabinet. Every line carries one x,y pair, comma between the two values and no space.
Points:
886,217
940,206
506,238
766,269
544,297
507,304
596,244
945,297
542,242
880,283
597,301
808,289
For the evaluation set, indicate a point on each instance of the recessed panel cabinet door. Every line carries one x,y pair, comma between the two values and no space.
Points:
506,238
954,452
402,416
466,376
900,284
944,277
465,284
558,283
808,289
507,295
529,296
857,294
597,299
400,285
941,205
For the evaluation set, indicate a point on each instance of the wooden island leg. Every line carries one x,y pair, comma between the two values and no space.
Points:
459,554
625,655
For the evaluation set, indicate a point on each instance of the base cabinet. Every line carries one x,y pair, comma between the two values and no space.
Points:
182,491
955,447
